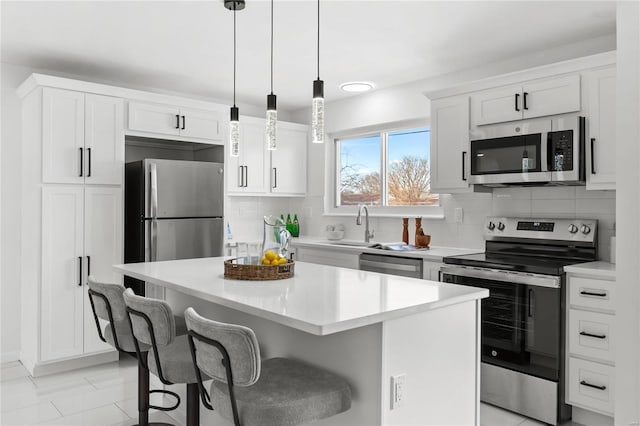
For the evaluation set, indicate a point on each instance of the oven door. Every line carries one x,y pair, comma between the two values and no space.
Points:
510,153
521,318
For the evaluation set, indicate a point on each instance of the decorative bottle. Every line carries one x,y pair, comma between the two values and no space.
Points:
405,230
295,226
289,224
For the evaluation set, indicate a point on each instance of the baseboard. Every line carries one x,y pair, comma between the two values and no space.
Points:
52,367
589,418
9,356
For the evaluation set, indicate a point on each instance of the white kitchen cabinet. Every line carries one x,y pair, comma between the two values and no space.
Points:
590,347
288,162
82,235
601,144
531,99
82,138
431,270
171,120
450,145
257,171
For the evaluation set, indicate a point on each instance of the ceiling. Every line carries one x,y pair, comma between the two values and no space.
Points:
186,47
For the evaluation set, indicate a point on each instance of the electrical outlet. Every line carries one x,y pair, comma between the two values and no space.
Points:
398,390
458,214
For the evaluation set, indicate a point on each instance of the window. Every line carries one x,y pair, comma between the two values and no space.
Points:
386,169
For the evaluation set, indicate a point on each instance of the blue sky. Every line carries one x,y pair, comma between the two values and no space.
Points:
364,153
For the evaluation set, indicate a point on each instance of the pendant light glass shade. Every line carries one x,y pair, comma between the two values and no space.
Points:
317,112
272,122
234,132
317,105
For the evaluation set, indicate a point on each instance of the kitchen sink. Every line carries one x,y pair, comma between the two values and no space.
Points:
352,243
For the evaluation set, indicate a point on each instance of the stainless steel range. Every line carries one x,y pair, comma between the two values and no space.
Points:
523,331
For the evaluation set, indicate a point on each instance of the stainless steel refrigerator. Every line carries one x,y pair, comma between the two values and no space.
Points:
173,210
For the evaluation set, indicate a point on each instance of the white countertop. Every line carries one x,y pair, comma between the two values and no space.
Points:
434,254
318,299
596,269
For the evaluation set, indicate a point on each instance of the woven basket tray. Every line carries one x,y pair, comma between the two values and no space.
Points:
236,271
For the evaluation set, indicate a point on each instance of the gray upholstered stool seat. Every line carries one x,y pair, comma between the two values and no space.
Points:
249,391
288,393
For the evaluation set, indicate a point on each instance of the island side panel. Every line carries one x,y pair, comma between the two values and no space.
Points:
355,355
437,351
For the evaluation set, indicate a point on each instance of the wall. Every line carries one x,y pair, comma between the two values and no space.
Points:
627,392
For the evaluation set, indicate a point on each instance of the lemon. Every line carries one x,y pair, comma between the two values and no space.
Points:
282,261
265,261
270,255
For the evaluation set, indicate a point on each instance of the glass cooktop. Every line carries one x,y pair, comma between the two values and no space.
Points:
527,264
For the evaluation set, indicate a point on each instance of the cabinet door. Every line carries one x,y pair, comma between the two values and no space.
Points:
104,139
154,118
497,105
103,241
199,124
450,145
62,136
61,321
289,162
252,153
601,169
548,97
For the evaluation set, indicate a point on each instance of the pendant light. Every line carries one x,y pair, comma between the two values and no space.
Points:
234,123
272,113
317,106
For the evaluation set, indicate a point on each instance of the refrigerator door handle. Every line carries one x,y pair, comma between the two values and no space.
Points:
153,246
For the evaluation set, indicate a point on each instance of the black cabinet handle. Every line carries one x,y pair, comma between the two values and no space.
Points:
275,177
516,97
89,162
184,122
583,383
524,100
80,271
590,293
177,121
246,176
595,336
240,176
530,302
88,267
81,163
593,160
464,153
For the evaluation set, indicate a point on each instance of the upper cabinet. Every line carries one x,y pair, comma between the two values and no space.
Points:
169,120
82,138
528,100
601,152
257,171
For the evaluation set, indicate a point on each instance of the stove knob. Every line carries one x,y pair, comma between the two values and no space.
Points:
491,226
585,229
573,229
501,226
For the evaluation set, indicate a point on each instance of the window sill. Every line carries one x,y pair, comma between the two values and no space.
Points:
390,215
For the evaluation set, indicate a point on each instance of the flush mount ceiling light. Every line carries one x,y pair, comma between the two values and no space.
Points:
272,113
234,124
317,106
357,86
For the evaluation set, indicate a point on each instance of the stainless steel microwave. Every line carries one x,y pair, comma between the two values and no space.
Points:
532,152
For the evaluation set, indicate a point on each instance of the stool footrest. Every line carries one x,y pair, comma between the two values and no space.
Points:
164,391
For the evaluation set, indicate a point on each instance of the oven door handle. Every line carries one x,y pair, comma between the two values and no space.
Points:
538,280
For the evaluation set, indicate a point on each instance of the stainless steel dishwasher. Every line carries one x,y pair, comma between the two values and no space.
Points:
394,265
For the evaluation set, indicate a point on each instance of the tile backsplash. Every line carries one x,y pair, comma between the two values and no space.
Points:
245,215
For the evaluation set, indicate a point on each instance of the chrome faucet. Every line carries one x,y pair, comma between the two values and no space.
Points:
367,234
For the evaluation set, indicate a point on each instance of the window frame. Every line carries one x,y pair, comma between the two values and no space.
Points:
332,174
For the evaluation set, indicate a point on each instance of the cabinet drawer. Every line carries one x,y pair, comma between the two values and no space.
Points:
591,334
591,385
591,293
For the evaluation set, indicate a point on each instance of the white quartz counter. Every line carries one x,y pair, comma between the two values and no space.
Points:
319,299
595,269
434,254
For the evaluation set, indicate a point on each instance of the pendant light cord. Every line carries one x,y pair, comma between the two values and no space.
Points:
318,39
234,56
272,47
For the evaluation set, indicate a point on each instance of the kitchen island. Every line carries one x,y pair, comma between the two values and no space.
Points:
365,326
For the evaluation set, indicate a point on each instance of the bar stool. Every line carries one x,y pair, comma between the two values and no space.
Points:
107,303
248,391
153,324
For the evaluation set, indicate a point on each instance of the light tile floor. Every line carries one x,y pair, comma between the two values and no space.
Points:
106,395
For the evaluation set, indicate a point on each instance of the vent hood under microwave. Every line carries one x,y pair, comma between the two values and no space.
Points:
529,153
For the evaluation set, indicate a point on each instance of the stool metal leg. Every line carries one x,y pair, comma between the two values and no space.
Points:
193,405
143,395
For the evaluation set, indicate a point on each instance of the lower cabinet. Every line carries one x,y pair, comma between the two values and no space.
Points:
81,236
328,257
590,343
431,270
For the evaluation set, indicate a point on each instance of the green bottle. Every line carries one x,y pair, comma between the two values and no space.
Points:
296,226
282,218
289,224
